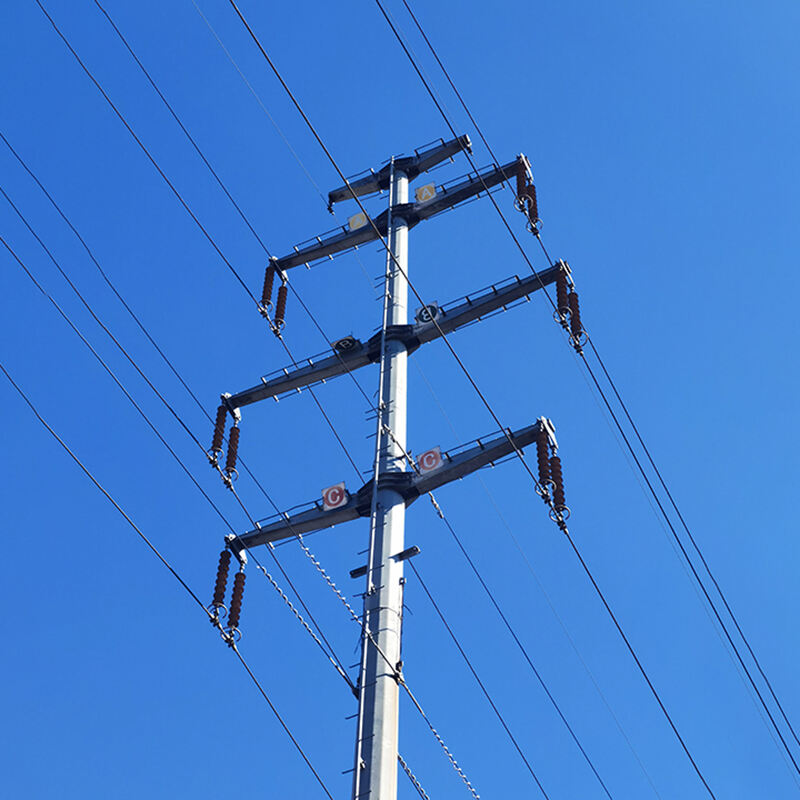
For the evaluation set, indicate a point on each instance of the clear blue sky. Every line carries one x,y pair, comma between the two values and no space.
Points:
664,144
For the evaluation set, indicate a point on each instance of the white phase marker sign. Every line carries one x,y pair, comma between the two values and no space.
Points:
430,460
426,192
357,221
334,496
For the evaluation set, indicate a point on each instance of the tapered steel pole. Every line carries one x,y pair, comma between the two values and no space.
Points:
375,776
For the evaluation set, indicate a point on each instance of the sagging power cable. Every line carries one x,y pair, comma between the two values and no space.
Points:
171,569
637,433
444,337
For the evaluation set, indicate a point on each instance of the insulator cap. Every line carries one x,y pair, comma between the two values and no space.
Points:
219,429
266,292
280,308
222,578
233,449
236,600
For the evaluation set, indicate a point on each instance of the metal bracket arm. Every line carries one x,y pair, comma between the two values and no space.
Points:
353,353
412,213
455,465
412,166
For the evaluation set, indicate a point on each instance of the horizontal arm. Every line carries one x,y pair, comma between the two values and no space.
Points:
350,354
455,465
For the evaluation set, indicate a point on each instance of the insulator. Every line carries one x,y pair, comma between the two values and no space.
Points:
280,308
233,449
266,293
562,301
543,457
236,600
533,205
222,578
219,429
575,315
558,483
522,181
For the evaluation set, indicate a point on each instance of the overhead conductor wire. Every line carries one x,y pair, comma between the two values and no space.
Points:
348,370
253,521
630,420
311,127
172,570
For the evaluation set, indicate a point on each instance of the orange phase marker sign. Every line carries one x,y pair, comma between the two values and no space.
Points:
357,221
334,496
430,460
426,192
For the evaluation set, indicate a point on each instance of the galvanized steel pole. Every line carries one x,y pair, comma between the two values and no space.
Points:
375,776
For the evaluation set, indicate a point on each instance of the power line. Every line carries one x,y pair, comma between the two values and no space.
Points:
149,156
446,340
642,443
478,679
138,408
252,520
172,570
544,592
440,513
330,652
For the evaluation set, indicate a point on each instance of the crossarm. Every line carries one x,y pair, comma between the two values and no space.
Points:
455,464
350,354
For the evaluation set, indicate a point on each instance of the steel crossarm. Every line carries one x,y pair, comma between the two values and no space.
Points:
421,161
413,213
350,354
455,465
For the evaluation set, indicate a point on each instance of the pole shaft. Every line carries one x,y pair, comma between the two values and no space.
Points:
375,776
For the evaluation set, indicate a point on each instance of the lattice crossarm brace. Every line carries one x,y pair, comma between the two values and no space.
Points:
412,166
463,463
314,519
360,231
350,356
409,485
473,308
432,321
472,185
337,242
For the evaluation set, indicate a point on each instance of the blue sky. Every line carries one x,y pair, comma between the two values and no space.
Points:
663,141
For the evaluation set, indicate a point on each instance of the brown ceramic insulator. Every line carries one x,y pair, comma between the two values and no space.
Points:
558,482
222,578
266,292
236,600
533,205
233,449
562,301
219,429
522,180
280,308
543,457
574,315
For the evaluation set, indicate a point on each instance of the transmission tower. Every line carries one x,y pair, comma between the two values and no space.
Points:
397,480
